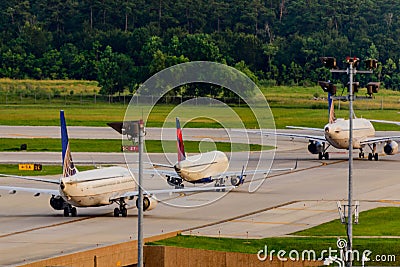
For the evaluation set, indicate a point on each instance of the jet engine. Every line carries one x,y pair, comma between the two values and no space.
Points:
315,147
149,203
391,148
57,202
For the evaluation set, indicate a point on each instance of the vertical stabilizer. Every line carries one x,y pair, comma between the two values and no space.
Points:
180,146
331,112
68,165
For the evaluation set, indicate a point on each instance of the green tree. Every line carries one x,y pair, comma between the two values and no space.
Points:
51,65
199,47
107,72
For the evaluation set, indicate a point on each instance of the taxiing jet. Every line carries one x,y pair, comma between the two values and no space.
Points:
204,168
336,134
93,188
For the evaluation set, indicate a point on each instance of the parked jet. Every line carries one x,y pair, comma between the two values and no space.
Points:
336,134
93,188
204,168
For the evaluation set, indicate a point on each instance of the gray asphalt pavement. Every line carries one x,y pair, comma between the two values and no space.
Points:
283,203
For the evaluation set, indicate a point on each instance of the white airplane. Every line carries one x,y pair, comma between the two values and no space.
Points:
336,134
93,188
204,168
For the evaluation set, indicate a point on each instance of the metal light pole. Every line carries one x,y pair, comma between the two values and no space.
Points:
349,255
140,197
351,71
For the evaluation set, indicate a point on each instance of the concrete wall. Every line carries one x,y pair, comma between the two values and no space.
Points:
122,254
125,254
159,256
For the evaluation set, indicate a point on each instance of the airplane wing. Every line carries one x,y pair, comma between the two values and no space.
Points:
305,128
35,191
229,173
167,191
373,140
157,171
37,179
157,165
252,172
389,122
320,138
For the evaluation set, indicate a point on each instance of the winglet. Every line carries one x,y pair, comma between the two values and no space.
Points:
295,165
242,176
180,146
68,165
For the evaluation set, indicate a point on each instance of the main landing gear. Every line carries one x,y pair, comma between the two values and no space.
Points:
122,208
220,182
68,209
323,154
176,182
373,155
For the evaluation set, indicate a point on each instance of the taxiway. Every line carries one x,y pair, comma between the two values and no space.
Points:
283,203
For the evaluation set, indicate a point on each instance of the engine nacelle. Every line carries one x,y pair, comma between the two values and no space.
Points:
315,147
149,203
391,148
57,202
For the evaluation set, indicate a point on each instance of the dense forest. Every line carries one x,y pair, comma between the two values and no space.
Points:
121,43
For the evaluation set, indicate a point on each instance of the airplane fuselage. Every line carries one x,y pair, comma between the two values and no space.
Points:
202,166
95,188
337,133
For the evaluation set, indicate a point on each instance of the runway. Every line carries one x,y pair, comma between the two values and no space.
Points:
285,202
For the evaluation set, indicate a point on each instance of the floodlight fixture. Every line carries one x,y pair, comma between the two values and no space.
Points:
329,62
371,64
328,87
128,128
373,88
356,85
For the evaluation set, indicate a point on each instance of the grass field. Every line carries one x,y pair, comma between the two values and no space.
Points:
46,170
114,145
289,105
378,222
62,86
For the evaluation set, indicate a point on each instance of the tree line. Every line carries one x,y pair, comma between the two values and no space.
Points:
121,43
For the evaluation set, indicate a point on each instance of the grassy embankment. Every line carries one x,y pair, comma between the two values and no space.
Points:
12,169
376,224
290,106
114,145
110,145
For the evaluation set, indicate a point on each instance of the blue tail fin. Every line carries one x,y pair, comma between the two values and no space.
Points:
331,112
68,165
180,146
